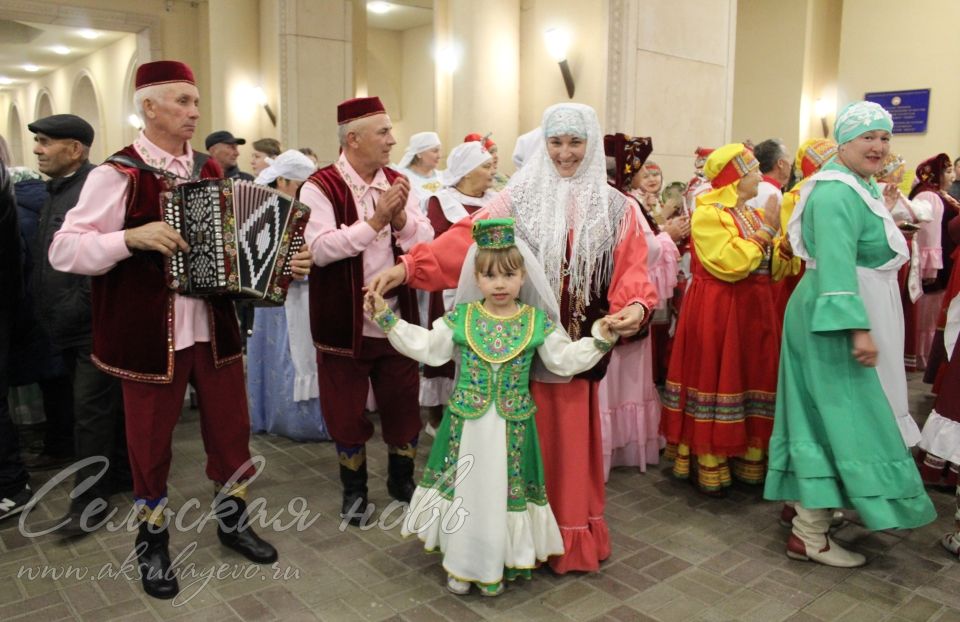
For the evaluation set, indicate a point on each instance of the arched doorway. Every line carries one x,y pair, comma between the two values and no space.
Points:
44,105
84,104
14,136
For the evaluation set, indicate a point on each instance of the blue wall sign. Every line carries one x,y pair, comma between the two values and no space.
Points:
909,109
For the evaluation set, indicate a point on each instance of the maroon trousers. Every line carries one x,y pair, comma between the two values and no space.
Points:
343,394
152,411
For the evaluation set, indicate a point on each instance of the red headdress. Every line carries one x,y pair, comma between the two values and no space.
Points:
163,72
358,108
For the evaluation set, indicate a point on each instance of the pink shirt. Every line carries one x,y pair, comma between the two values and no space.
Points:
329,244
91,238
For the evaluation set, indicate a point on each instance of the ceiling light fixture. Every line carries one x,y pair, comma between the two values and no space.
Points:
379,7
135,121
62,50
86,33
4,80
31,68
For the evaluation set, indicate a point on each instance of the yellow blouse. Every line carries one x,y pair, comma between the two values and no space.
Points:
726,254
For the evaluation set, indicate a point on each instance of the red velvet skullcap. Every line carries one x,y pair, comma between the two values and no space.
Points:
358,108
163,72
487,143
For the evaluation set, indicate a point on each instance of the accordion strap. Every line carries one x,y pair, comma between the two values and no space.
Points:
143,166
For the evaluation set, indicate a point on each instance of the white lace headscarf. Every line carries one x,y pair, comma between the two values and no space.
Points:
547,206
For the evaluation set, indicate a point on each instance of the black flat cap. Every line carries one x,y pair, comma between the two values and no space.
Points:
64,126
223,136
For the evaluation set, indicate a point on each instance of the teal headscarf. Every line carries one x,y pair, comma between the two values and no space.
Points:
859,118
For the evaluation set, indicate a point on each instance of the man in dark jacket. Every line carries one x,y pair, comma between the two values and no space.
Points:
222,147
33,359
15,490
62,146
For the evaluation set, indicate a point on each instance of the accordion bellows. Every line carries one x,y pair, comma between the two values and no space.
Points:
241,236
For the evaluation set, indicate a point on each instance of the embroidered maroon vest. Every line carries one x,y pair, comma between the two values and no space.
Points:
132,305
336,290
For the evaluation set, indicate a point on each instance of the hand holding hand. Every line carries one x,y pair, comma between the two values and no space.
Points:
628,321
301,263
155,236
606,333
864,350
388,279
373,303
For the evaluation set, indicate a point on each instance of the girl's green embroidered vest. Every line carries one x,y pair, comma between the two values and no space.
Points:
486,339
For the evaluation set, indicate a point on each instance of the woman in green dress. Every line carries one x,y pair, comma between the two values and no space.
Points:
836,442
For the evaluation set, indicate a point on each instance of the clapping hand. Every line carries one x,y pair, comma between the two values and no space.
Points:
891,194
677,228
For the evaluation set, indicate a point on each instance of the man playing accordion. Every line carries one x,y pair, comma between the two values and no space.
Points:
154,340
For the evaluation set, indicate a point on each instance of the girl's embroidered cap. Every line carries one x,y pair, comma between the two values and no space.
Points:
494,233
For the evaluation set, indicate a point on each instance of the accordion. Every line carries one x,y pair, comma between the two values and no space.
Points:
241,236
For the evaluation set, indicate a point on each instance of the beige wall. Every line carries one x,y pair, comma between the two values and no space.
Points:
880,51
384,61
234,44
399,66
315,71
670,76
484,96
417,101
821,59
540,82
770,59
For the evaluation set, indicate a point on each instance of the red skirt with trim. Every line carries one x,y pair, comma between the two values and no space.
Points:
721,385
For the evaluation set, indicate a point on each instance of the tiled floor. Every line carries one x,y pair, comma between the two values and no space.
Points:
677,556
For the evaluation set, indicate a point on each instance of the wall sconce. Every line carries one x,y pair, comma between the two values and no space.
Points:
558,41
447,57
262,100
820,109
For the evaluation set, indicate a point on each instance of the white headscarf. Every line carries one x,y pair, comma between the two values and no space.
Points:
419,142
547,206
462,160
525,145
290,164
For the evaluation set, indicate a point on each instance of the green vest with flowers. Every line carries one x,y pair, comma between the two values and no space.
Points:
485,340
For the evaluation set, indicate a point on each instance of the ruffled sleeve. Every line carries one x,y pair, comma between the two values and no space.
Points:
719,246
929,236
630,282
836,214
663,273
435,266
567,358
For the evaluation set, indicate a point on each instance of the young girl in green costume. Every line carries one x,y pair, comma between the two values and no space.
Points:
482,501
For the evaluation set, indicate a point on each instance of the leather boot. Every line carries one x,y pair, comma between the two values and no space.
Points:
400,472
85,515
353,476
809,540
235,532
153,555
